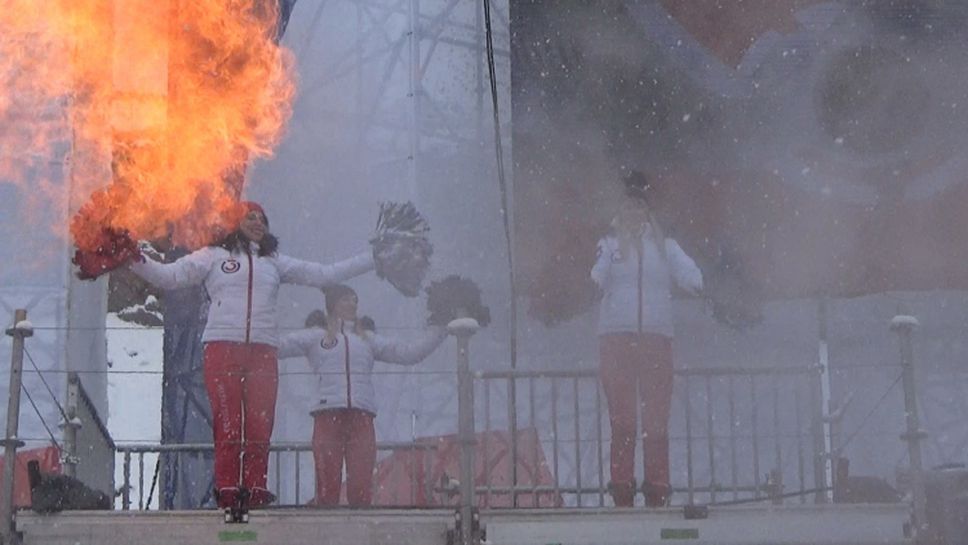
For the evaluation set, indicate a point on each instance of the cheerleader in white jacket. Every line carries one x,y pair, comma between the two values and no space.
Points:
241,275
342,356
635,269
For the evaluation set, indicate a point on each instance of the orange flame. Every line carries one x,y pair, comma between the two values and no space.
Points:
161,103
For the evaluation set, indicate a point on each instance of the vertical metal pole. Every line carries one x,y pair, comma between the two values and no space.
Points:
71,426
513,427
598,441
801,471
414,459
754,417
823,465
141,481
535,468
577,443
20,330
126,489
507,216
479,71
904,327
711,440
732,438
295,455
554,434
690,477
487,434
463,329
777,489
413,93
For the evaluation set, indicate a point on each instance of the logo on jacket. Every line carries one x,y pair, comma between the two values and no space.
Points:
329,343
230,266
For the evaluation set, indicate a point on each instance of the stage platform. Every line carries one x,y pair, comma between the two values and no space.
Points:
736,525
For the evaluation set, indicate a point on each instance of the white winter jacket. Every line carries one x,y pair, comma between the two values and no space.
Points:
637,294
344,367
243,288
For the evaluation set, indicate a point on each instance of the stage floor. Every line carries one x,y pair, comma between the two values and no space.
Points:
747,525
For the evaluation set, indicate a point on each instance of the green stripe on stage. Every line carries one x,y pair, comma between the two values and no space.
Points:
227,536
679,533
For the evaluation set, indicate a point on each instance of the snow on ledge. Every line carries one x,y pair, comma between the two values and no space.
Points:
463,326
23,326
904,320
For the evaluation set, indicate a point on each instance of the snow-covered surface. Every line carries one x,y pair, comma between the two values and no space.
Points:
904,320
463,326
24,325
134,396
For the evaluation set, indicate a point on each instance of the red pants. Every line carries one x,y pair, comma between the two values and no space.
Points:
642,363
241,379
344,435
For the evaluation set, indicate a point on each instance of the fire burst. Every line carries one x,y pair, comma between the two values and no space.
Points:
161,104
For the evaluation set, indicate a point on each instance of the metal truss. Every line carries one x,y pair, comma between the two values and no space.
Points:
408,78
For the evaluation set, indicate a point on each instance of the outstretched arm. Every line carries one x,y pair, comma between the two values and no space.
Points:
407,352
684,269
603,265
308,273
297,343
189,270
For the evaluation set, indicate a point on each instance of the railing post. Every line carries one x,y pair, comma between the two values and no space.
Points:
822,437
20,331
463,329
904,326
126,485
69,457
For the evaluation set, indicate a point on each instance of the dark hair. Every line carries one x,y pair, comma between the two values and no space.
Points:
637,185
238,242
334,294
316,318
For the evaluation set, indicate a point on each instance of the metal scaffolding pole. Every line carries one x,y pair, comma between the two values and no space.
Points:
464,329
823,465
904,326
21,330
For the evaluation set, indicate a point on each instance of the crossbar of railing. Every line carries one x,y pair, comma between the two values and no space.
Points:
156,448
139,450
551,489
692,371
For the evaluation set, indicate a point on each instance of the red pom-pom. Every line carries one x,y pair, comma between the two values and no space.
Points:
112,249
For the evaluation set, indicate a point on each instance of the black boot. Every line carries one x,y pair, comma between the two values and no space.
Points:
657,495
623,494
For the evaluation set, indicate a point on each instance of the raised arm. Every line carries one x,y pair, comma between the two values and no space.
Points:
684,270
409,352
308,273
189,270
603,265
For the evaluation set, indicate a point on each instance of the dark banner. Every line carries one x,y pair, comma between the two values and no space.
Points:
799,147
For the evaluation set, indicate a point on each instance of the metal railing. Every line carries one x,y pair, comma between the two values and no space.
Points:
773,434
133,457
719,410
744,433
